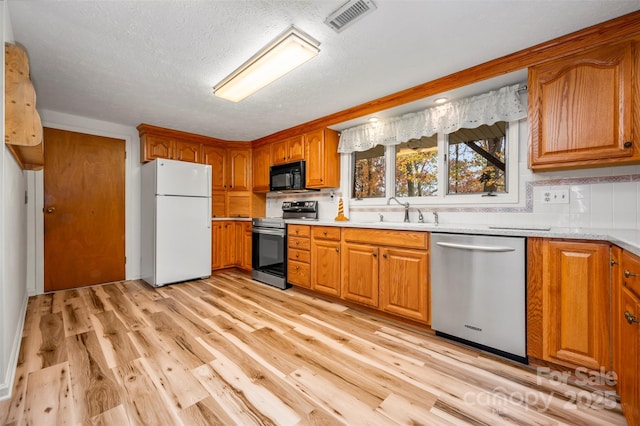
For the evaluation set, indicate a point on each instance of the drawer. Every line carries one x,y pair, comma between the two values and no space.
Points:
631,267
299,243
326,232
299,230
299,255
299,273
387,237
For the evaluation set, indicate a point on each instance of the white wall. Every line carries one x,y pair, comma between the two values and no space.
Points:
57,120
13,254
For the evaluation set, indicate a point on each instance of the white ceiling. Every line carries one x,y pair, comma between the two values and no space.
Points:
156,62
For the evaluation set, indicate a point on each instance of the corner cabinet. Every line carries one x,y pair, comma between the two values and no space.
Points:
582,109
323,160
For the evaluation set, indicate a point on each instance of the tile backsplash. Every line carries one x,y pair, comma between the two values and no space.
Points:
606,201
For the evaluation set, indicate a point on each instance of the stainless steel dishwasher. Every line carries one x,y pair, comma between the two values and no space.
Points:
478,287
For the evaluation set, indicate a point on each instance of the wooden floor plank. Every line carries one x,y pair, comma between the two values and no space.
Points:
228,350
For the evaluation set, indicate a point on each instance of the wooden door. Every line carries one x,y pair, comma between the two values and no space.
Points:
325,260
360,273
576,300
217,159
261,162
404,282
187,151
629,373
239,167
84,219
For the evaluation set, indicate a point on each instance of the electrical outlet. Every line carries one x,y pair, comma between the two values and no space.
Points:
556,196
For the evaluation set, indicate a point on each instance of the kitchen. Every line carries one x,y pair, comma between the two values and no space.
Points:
591,191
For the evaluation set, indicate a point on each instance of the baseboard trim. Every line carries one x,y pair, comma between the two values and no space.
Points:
6,387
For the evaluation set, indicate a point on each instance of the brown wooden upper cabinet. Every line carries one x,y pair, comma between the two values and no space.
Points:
153,147
323,160
260,167
581,109
288,150
230,167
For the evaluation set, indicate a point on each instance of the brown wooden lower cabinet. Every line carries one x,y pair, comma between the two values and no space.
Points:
298,254
627,315
360,273
325,260
569,302
404,278
230,244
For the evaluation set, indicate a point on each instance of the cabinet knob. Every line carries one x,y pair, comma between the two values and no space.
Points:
384,255
325,233
297,268
297,243
628,144
297,255
628,273
337,250
374,254
630,317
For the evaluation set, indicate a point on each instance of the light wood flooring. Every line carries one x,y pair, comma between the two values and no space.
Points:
228,350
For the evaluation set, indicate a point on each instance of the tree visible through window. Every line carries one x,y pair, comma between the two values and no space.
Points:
417,167
369,173
477,160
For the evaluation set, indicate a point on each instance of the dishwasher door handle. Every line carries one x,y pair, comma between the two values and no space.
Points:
476,248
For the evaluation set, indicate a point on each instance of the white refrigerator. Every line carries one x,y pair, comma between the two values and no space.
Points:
176,221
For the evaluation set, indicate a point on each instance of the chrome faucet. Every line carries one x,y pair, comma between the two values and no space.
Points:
405,205
420,216
435,217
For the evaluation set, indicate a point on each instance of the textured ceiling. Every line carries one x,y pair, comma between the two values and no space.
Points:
156,62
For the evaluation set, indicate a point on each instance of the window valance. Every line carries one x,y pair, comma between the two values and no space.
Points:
499,105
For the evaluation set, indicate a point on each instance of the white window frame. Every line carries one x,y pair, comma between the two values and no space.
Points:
441,198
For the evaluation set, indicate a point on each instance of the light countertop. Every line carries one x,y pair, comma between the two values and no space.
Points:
628,239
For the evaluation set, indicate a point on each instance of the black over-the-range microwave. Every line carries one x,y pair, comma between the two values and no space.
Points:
288,177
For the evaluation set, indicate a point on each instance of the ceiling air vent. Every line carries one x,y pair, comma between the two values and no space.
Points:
349,13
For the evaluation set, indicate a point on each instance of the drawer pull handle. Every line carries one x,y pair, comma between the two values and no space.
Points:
628,273
630,317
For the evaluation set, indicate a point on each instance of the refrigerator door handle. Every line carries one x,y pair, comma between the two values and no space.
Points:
209,214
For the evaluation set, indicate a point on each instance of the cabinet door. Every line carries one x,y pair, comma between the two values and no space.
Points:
238,238
229,244
246,263
325,271
323,160
581,108
187,151
239,166
217,158
629,372
576,300
295,148
238,204
279,152
156,147
219,204
261,163
404,282
217,245
360,273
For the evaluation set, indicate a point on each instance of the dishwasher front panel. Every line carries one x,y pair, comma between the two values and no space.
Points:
478,290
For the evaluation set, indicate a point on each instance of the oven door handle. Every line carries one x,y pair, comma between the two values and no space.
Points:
268,231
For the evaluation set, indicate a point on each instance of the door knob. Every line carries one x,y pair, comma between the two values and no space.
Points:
628,274
51,209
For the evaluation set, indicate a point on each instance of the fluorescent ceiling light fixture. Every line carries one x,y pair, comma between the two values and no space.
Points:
288,51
